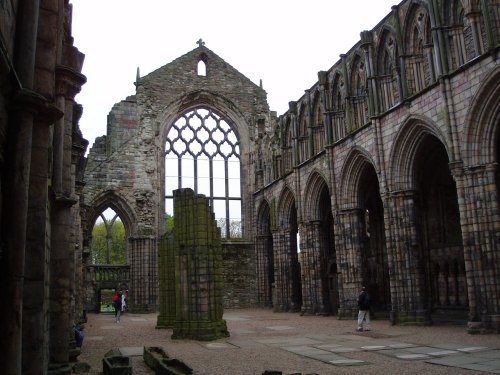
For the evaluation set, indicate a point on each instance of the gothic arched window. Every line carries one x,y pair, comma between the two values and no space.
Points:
202,152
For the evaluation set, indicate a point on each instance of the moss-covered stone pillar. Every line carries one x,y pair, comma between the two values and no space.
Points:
192,269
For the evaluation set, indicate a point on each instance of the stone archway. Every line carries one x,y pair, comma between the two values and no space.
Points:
442,266
288,287
374,253
318,256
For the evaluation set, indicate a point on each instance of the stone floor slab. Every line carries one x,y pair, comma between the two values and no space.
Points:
348,362
412,356
453,361
289,341
132,351
373,347
441,353
219,345
487,354
280,328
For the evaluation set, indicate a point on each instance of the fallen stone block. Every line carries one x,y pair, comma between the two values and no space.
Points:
117,365
152,355
172,367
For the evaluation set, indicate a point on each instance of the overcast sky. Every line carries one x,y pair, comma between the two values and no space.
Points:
284,43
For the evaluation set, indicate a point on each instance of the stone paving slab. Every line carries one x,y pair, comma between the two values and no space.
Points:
219,345
487,354
288,341
132,351
320,355
482,367
280,328
348,362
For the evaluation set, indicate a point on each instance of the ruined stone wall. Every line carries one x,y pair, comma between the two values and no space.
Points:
125,168
441,104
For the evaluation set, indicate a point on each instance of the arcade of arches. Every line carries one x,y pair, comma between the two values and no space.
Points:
385,173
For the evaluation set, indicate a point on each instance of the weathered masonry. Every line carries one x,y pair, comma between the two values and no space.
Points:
384,173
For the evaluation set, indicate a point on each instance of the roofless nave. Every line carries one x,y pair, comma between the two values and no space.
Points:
384,174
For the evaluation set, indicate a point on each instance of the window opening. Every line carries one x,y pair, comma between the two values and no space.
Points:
202,68
202,153
108,239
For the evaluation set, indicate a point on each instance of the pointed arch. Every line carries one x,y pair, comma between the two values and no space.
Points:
316,183
402,155
286,208
482,123
110,199
338,106
355,164
264,218
419,52
318,125
387,68
303,136
359,92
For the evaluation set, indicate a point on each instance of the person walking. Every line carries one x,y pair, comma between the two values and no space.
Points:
364,311
117,304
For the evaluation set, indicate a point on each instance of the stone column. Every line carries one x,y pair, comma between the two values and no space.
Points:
68,84
480,223
311,263
35,304
143,295
349,242
263,255
406,265
15,208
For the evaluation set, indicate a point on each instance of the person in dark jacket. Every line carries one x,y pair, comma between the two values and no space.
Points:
364,310
117,304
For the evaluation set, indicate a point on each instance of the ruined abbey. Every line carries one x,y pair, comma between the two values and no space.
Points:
383,174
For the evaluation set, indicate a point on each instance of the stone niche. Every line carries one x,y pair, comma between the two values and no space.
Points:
190,270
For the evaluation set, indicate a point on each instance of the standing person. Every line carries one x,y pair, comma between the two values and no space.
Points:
124,304
117,304
364,310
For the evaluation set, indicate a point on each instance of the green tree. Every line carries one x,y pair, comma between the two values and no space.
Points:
169,223
116,243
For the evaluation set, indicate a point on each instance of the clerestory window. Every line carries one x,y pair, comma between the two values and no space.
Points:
202,152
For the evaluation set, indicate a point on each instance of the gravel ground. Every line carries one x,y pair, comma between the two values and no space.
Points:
244,353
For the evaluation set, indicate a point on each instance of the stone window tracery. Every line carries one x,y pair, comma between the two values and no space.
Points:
359,94
202,152
420,56
387,72
319,128
338,115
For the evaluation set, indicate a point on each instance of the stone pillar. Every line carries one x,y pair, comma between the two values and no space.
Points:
35,304
480,223
282,271
62,258
166,278
349,242
195,247
311,262
143,295
14,223
406,265
264,262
